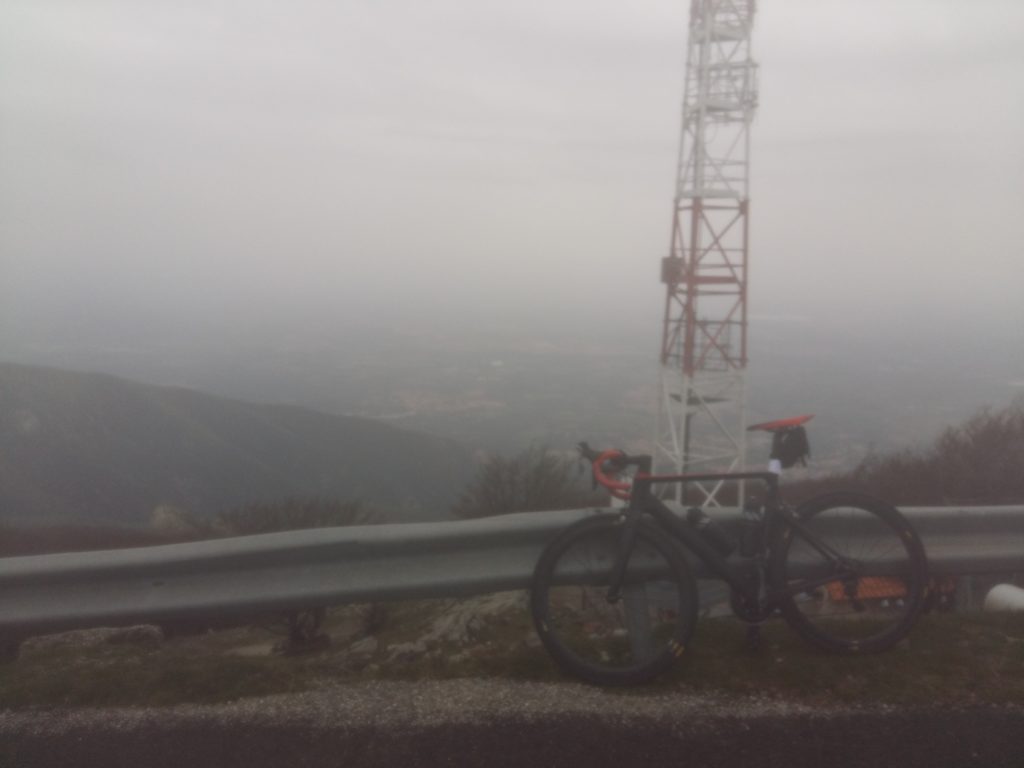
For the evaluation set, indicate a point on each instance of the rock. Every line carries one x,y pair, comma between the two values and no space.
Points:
407,651
459,624
463,621
365,647
146,635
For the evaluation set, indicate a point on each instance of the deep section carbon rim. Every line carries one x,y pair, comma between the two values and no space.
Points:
868,598
629,640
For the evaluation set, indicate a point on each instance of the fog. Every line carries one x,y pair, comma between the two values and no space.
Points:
220,173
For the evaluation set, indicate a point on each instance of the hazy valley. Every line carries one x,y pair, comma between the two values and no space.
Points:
490,389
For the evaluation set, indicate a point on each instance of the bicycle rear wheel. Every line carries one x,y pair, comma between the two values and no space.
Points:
625,642
868,599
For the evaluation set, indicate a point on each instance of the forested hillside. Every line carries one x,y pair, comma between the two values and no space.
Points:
90,447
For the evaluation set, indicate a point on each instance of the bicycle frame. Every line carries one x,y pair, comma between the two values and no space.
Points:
644,501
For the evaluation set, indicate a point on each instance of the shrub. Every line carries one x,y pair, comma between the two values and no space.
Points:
50,539
532,481
290,515
978,462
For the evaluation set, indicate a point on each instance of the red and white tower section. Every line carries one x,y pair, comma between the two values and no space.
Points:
701,411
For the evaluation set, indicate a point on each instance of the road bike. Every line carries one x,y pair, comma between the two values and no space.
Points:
614,598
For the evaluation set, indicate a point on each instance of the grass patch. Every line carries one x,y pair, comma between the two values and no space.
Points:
126,675
948,658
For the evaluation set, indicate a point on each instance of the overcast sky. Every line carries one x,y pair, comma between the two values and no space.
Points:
239,160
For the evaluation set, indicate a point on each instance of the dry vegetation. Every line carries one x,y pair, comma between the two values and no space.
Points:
979,462
172,526
534,480
946,660
45,539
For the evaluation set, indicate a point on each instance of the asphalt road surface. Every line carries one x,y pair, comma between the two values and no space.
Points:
495,724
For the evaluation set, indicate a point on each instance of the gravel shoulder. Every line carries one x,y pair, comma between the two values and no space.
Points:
466,683
472,722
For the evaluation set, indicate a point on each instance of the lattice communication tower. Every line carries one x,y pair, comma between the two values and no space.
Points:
701,412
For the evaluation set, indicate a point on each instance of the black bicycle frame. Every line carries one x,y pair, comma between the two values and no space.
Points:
644,500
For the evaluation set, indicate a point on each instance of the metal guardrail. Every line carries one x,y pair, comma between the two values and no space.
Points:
303,569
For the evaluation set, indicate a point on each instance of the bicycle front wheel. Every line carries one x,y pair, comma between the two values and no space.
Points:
853,573
625,641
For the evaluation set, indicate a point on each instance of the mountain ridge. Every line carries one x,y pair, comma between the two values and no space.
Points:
91,446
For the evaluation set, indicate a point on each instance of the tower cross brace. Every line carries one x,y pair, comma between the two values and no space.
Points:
703,355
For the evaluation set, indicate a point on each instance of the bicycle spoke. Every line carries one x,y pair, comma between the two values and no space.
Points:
628,639
865,593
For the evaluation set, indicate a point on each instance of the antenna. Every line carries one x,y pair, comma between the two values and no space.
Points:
701,405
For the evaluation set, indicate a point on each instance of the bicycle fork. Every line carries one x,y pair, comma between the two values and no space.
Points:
626,542
633,596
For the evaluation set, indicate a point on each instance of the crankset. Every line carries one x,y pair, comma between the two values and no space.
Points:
747,610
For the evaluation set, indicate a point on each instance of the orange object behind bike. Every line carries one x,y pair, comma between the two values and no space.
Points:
869,588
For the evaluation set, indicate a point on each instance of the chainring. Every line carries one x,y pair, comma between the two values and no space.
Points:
751,613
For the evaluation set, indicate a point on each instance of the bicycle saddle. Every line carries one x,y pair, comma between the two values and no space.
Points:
781,424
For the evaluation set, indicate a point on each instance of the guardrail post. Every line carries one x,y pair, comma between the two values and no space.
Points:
965,598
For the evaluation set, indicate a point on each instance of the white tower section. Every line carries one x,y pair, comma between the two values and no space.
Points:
701,410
